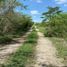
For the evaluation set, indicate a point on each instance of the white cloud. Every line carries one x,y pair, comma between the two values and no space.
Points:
34,16
39,1
61,2
65,4
34,12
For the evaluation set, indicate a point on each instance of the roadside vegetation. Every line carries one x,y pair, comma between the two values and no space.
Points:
25,54
41,27
54,26
55,22
60,43
61,46
12,23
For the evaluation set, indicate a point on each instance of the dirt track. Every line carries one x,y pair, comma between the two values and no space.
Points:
46,53
7,50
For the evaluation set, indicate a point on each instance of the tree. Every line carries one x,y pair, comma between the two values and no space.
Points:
7,12
12,22
52,12
56,24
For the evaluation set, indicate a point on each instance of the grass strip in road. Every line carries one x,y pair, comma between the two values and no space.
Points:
24,54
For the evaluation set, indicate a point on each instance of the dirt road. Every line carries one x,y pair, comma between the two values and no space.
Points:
46,53
7,50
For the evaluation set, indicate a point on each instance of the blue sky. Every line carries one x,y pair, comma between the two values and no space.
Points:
37,7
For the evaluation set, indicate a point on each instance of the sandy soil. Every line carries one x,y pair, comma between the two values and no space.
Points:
46,53
7,50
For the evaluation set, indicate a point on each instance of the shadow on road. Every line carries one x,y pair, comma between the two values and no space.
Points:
44,65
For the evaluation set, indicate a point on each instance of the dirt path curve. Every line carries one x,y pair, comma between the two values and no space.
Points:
8,49
46,53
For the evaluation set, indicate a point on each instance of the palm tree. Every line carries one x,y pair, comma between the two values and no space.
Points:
52,12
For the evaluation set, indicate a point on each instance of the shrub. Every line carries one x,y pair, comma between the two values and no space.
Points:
5,39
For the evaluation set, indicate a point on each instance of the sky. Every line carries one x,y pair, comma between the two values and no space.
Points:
37,7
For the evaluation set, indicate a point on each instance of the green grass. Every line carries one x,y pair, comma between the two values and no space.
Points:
61,47
59,44
24,54
41,29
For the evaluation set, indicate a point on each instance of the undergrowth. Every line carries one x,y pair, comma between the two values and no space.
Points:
24,54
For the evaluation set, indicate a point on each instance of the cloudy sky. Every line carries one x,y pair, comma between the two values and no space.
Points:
37,7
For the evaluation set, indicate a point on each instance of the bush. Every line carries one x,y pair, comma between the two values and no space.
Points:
15,26
55,31
5,39
55,21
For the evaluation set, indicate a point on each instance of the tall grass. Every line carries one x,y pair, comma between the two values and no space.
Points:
24,54
61,47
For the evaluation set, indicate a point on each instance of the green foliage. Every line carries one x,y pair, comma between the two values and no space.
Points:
14,26
13,23
24,54
56,24
32,38
61,47
5,39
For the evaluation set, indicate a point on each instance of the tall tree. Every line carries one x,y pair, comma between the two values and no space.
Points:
7,14
52,12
